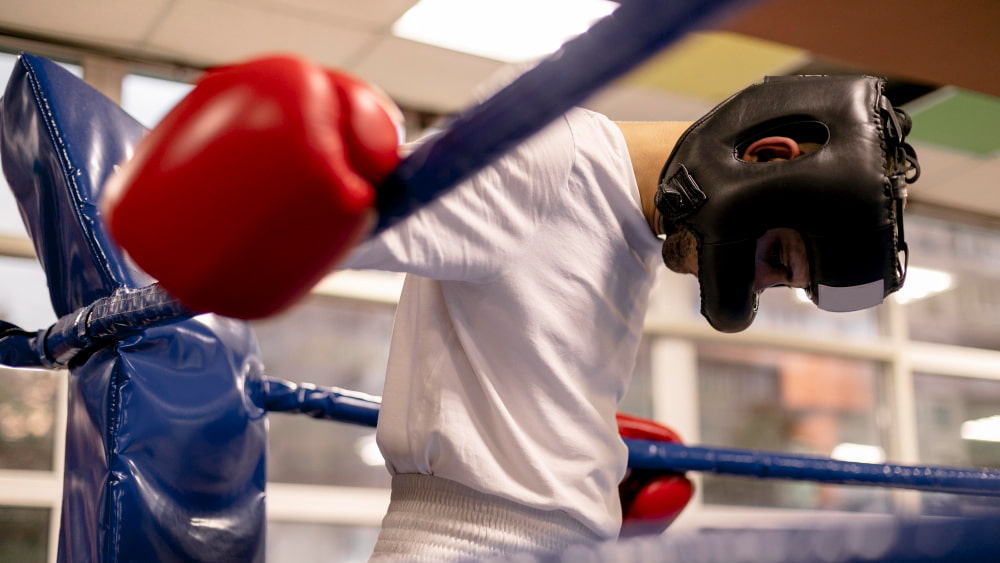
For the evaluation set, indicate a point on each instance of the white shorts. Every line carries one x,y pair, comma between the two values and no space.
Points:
434,519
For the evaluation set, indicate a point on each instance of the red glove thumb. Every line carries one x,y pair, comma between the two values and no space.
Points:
651,499
254,186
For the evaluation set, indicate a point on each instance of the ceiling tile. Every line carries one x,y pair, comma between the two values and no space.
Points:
212,32
970,188
372,14
714,65
426,77
629,103
929,41
939,167
107,22
959,119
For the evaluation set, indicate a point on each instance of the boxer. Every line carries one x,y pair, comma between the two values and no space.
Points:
519,322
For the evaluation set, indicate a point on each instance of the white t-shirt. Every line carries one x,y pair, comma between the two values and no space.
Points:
516,336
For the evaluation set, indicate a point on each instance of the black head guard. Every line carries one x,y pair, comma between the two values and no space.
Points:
845,199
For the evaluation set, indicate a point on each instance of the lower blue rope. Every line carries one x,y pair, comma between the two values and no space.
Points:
645,454
356,408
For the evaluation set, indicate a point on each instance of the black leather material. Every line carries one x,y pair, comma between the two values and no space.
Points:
844,198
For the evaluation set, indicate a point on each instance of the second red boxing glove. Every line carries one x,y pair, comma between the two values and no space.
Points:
255,185
651,499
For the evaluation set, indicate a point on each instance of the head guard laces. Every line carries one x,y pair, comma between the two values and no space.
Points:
845,198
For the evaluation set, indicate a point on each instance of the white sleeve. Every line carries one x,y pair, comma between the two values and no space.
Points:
468,233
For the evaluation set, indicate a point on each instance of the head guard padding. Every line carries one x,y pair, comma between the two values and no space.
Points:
845,199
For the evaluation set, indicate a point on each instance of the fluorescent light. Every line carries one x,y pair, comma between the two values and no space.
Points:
858,453
367,285
505,30
367,450
982,429
924,282
149,99
802,296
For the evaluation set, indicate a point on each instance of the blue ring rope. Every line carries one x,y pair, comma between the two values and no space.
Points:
611,47
644,454
346,406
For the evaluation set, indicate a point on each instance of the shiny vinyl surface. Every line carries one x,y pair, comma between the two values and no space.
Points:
165,450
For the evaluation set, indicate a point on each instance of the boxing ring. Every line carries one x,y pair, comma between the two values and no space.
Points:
166,435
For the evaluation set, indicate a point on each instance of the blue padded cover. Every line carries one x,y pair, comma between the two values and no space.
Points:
165,450
61,141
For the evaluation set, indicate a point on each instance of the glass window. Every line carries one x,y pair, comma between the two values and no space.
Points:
27,397
952,290
790,310
674,299
10,218
27,418
24,294
319,543
958,425
334,343
794,403
24,534
638,398
148,99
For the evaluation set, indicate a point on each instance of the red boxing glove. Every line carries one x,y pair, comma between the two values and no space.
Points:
255,185
651,499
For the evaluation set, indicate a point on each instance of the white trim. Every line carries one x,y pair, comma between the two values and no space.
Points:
321,504
898,416
58,459
16,247
742,517
877,349
673,365
957,361
30,488
376,287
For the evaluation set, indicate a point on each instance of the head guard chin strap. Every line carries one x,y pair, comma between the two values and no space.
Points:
845,199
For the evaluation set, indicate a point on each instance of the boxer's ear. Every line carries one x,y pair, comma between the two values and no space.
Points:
772,148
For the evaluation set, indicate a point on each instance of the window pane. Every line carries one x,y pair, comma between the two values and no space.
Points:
24,294
27,416
794,403
334,343
24,534
638,398
10,218
787,309
958,424
953,284
319,543
148,99
27,397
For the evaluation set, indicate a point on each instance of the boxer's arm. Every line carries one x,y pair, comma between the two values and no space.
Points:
471,232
